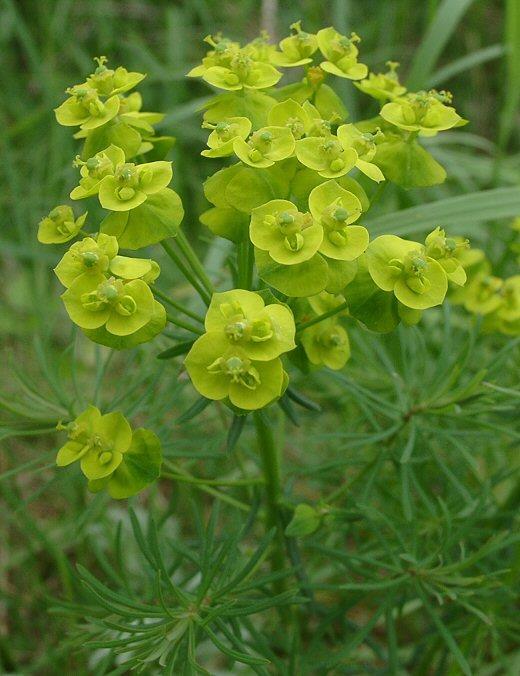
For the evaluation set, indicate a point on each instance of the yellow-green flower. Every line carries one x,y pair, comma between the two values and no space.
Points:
423,112
93,300
95,169
132,184
326,344
95,255
97,441
365,146
341,54
108,82
60,225
444,249
229,67
111,456
265,146
291,114
484,294
220,141
402,267
297,49
382,86
335,209
220,370
319,126
84,108
262,332
89,256
327,155
288,235
221,55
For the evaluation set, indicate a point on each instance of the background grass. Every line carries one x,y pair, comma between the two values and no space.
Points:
470,47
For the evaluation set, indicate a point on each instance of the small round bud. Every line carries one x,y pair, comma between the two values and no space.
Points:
110,291
341,214
125,193
285,218
90,258
231,79
337,164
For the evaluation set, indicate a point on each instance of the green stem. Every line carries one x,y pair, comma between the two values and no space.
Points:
188,274
245,263
184,325
194,261
269,454
315,320
178,306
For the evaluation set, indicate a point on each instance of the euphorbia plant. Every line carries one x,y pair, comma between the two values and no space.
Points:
294,179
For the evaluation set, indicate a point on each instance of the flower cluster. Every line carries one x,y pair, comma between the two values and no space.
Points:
111,455
295,192
109,296
291,196
238,358
106,114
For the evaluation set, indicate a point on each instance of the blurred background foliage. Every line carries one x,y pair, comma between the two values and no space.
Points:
419,440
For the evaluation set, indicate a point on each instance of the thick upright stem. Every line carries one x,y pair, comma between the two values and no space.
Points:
194,261
188,274
270,456
245,264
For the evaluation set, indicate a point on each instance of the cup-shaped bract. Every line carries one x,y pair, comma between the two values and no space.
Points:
60,225
402,267
131,184
265,147
383,86
238,69
128,268
326,155
93,170
326,344
365,146
108,82
297,49
84,108
289,236
444,250
484,294
220,370
220,140
341,54
262,332
291,114
89,256
140,466
423,112
335,208
97,441
93,300
111,456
